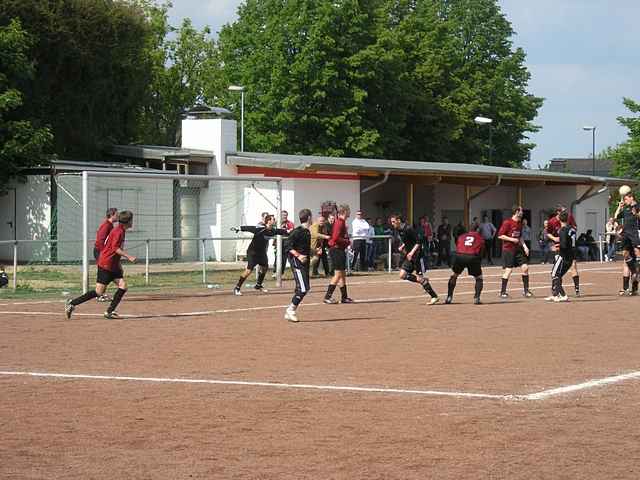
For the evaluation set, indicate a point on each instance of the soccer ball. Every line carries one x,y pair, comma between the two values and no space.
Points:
624,190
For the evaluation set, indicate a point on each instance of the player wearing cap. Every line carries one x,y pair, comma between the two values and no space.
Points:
468,255
628,215
553,233
414,260
515,252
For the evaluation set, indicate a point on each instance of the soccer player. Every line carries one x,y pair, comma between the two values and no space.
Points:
101,236
553,231
468,255
338,243
514,251
564,258
257,251
109,268
413,260
628,215
299,252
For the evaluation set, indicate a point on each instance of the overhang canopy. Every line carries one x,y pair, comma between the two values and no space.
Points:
453,173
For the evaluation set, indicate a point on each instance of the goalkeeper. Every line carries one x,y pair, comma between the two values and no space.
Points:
257,251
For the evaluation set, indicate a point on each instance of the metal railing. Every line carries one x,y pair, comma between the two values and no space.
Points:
134,244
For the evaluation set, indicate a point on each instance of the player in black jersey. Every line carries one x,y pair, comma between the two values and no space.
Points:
299,256
564,258
628,215
413,261
257,251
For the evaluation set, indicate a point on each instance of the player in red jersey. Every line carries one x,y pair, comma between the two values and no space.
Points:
515,252
101,236
468,255
338,243
109,268
553,233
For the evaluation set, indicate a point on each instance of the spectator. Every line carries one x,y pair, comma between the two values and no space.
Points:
458,230
488,232
359,228
263,217
610,236
371,246
328,229
583,246
475,223
380,243
318,251
444,242
591,243
545,243
526,234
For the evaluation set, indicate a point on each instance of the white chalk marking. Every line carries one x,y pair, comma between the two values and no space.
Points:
250,309
581,386
261,384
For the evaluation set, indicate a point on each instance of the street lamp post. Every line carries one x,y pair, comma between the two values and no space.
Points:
238,88
487,121
593,131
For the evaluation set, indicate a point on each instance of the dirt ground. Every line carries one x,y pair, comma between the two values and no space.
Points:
105,428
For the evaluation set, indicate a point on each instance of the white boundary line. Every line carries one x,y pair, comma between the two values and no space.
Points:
253,309
260,384
543,395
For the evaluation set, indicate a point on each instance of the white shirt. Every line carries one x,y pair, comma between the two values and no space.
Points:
359,227
487,230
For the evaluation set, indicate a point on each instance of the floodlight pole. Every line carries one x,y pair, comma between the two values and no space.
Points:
85,232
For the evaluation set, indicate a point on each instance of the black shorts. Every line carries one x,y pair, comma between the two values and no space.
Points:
254,259
105,277
472,263
514,259
630,241
338,258
419,265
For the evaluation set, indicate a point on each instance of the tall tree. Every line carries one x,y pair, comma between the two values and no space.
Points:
183,64
626,156
22,141
92,72
393,78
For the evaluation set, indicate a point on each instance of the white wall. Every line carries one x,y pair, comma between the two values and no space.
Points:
33,218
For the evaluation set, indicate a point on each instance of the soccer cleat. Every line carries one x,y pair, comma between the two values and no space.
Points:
290,315
527,294
578,294
448,300
347,300
68,309
561,299
103,298
504,295
111,315
476,301
237,292
330,301
623,292
433,300
550,298
260,288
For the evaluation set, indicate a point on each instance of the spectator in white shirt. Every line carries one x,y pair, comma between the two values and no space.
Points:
488,232
359,228
371,246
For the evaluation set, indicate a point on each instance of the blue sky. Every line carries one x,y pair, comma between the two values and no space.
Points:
582,55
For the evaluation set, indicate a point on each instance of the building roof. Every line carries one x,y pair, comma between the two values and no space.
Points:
582,166
456,173
155,152
73,166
